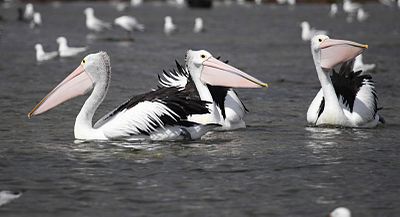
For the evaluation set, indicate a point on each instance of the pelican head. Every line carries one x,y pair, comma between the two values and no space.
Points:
209,70
93,72
340,212
88,11
331,52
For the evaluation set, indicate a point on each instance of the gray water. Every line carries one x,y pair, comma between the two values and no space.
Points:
277,166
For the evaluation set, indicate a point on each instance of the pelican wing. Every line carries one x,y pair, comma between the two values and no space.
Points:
145,113
178,77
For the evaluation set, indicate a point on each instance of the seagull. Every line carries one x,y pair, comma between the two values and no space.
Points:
156,115
136,3
340,212
362,15
129,24
36,21
28,13
212,80
360,66
8,196
291,3
198,25
65,51
334,10
43,56
281,2
350,7
93,23
347,98
307,32
169,26
258,2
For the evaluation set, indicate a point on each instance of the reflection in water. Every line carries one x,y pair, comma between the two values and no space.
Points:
322,139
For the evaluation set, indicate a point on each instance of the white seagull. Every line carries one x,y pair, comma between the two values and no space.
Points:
362,15
307,32
157,115
36,21
198,25
136,3
169,26
350,7
8,196
333,10
129,24
43,56
28,13
65,51
340,212
93,23
346,98
359,65
209,79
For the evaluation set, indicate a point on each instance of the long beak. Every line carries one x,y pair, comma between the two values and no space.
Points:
76,84
217,73
334,52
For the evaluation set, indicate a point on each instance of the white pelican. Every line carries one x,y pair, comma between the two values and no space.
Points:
169,26
226,108
157,115
307,32
333,10
198,25
359,65
129,24
28,13
65,51
8,196
362,15
346,98
340,212
43,56
93,23
36,21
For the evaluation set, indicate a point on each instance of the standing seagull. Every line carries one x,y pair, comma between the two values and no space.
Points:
28,13
93,23
307,32
136,3
333,10
211,80
36,21
129,24
198,25
346,98
340,212
65,51
43,56
362,15
360,66
169,26
157,115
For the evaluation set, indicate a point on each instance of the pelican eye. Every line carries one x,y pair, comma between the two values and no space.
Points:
83,61
203,56
320,40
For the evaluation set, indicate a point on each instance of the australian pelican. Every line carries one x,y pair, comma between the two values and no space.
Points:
346,98
157,115
226,108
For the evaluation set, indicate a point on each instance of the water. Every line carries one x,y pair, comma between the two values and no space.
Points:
276,167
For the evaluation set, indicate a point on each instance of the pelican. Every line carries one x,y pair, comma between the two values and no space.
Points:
340,212
198,25
129,24
43,56
93,23
359,65
362,15
307,32
169,26
157,115
36,21
226,108
333,10
346,98
65,51
28,13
